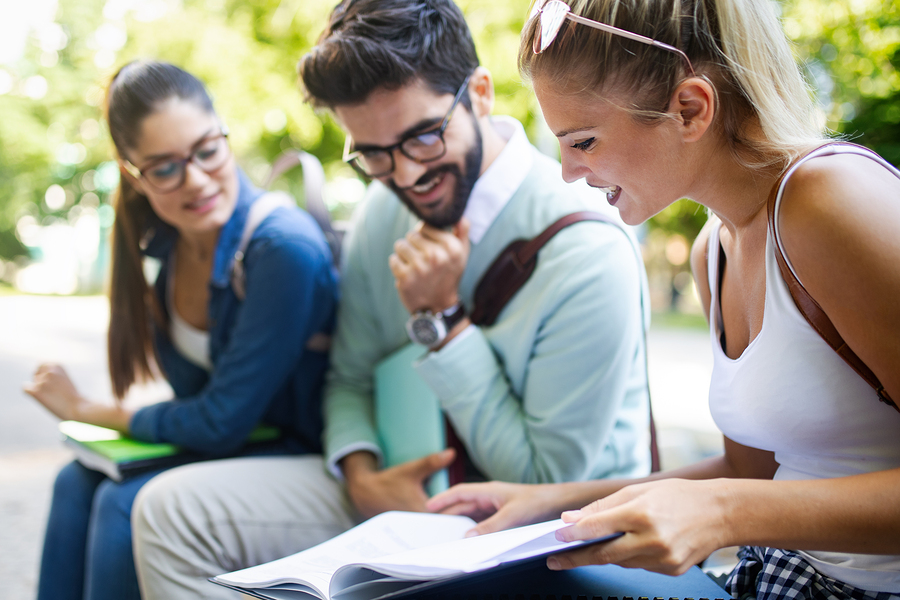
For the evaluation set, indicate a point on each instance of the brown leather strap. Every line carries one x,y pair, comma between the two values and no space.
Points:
512,268
530,250
811,310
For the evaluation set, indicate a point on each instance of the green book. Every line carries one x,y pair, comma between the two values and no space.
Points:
408,414
119,457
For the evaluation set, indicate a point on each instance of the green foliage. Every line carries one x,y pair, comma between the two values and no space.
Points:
247,53
852,52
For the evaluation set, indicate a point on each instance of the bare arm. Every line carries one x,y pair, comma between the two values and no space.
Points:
503,505
53,389
674,524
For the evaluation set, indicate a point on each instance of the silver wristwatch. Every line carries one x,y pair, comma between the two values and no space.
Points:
430,329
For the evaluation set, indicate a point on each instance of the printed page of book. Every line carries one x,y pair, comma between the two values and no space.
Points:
388,533
467,555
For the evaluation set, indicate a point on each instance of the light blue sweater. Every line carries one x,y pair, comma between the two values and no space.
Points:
556,389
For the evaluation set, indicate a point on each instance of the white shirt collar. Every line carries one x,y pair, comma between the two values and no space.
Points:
501,179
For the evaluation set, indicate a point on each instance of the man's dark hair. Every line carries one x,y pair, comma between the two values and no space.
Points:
374,44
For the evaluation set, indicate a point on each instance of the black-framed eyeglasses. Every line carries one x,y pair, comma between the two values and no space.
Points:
553,13
168,174
421,147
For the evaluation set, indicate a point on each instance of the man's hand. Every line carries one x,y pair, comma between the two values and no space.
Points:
427,265
397,488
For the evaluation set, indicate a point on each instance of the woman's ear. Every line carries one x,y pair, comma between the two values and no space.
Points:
132,180
481,92
694,106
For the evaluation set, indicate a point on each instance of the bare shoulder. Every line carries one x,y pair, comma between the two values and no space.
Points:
699,264
839,205
843,181
840,227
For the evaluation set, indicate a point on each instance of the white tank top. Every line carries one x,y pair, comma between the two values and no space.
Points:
791,394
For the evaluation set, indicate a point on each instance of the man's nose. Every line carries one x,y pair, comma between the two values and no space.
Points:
406,171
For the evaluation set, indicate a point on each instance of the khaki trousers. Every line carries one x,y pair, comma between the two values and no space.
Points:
209,518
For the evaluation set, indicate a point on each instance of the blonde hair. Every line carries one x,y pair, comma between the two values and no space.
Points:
765,109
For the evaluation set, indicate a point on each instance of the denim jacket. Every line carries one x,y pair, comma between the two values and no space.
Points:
262,371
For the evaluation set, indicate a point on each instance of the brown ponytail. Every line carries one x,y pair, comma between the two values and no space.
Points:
132,301
135,92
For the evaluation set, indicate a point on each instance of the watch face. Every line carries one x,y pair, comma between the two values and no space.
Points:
425,332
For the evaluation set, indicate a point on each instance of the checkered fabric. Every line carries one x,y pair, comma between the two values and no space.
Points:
773,574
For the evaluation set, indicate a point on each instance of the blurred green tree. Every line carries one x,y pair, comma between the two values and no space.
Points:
51,93
851,49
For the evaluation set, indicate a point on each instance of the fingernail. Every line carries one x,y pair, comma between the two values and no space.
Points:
471,533
553,564
572,515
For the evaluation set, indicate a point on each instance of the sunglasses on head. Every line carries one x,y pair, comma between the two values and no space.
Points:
553,13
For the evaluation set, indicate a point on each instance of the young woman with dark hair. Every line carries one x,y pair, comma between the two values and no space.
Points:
656,100
238,350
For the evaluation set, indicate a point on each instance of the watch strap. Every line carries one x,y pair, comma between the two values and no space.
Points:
453,315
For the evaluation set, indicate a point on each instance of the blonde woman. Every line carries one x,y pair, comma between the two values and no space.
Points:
655,100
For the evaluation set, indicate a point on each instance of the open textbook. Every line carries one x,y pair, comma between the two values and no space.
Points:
391,553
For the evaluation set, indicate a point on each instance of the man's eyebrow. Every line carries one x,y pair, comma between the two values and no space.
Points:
421,126
157,157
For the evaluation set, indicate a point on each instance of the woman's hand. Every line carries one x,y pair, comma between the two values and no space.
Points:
53,388
669,526
499,505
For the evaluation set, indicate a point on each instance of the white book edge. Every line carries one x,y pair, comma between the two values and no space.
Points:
92,460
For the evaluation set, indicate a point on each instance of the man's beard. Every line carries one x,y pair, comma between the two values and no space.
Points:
465,181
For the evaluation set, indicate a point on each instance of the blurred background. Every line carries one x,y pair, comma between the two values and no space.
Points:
57,175
56,57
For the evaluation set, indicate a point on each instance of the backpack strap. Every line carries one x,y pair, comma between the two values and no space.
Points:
313,192
807,305
514,266
259,210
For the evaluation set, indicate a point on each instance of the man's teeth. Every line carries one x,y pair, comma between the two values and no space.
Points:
427,187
